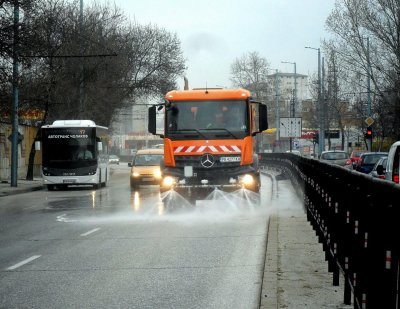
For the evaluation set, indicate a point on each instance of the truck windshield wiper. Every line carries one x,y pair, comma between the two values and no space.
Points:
223,129
194,130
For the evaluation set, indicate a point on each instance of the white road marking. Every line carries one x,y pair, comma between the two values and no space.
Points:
24,262
90,232
63,218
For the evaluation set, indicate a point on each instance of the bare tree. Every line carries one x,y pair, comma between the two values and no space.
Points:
368,40
251,71
121,61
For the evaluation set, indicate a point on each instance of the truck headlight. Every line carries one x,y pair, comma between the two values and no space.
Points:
168,181
247,180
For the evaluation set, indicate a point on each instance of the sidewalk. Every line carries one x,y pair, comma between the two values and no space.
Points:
22,186
296,274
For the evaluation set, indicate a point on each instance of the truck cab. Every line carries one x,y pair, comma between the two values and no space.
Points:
208,140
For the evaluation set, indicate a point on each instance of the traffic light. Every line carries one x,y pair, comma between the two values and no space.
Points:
368,133
316,138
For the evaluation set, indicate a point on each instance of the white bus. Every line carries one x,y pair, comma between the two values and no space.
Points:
74,152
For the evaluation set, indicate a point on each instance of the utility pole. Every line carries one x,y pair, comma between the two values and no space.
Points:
276,108
323,106
321,137
81,65
295,91
14,115
369,141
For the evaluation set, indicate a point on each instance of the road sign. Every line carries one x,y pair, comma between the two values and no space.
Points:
20,137
369,121
290,127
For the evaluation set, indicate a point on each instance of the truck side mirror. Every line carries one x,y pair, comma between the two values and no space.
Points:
379,170
263,117
152,125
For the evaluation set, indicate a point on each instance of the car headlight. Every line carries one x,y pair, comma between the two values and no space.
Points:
157,174
135,174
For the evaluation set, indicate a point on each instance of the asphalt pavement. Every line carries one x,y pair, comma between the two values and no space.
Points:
295,274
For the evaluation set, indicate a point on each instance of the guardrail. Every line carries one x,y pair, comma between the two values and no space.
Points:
357,220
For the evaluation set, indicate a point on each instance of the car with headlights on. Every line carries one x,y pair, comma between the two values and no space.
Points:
145,167
113,159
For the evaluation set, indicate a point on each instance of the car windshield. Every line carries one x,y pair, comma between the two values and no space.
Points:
372,158
334,156
148,159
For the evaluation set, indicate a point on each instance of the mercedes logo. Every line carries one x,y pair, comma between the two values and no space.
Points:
207,160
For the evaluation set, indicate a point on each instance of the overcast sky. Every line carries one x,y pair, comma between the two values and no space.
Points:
214,33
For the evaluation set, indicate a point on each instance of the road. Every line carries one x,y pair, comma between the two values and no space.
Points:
113,248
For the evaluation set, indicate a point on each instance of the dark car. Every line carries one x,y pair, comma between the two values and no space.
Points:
381,162
368,160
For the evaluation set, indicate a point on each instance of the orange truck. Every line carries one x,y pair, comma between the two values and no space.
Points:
208,140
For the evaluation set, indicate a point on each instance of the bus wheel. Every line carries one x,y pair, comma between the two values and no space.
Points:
50,187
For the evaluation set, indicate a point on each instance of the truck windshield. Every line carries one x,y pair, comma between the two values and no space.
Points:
200,119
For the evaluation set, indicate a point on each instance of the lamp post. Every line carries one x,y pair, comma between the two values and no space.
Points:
81,64
369,141
15,96
321,140
276,86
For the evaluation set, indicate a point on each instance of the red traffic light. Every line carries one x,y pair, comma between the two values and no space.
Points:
369,132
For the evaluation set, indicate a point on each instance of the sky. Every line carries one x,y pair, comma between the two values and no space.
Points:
214,33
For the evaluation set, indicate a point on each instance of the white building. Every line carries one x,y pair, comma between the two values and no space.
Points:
286,85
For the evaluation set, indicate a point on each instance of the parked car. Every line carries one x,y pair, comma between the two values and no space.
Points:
145,167
355,157
374,172
368,160
338,157
296,152
392,164
113,159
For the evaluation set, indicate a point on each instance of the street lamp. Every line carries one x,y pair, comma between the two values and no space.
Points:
276,85
321,140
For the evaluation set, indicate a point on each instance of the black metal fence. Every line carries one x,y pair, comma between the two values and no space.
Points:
357,219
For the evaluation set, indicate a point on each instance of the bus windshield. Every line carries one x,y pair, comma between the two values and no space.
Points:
65,146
